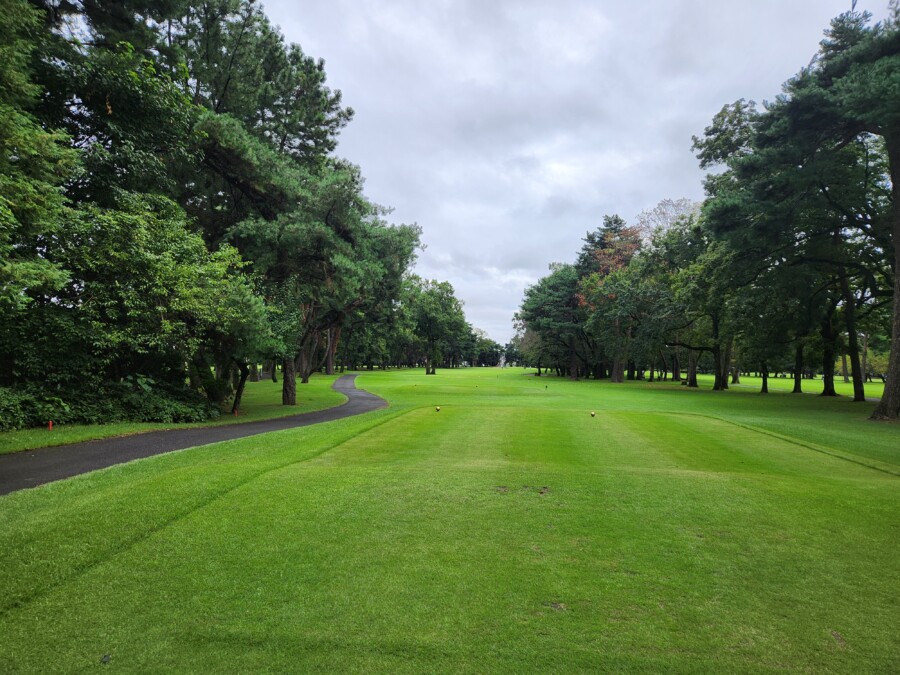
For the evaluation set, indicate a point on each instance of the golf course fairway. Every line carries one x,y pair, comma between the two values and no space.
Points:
510,531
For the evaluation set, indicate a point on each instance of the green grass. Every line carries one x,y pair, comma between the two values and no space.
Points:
261,400
814,386
511,531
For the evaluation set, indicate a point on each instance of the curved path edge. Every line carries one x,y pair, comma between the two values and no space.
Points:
30,468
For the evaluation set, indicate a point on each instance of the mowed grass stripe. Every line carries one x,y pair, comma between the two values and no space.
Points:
424,438
705,443
480,538
465,437
377,562
90,518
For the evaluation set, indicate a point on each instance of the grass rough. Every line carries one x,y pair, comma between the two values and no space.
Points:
261,401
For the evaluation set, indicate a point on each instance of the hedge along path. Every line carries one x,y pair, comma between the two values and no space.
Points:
31,468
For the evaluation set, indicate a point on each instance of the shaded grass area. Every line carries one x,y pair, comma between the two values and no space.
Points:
509,532
261,401
813,386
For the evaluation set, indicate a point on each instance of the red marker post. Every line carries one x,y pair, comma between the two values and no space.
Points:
50,425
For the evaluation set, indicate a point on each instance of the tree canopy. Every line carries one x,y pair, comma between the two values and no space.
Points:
790,262
172,215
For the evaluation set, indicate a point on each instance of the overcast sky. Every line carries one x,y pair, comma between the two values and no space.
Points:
507,129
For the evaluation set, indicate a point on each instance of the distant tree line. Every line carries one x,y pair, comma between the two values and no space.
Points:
426,327
790,265
172,215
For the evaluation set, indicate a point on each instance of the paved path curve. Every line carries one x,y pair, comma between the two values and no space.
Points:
30,468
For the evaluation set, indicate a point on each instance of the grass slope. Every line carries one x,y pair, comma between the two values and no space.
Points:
261,401
511,531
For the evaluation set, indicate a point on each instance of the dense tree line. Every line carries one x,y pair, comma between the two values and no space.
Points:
426,327
791,264
172,214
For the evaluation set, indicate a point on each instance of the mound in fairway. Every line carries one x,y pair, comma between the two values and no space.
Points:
513,531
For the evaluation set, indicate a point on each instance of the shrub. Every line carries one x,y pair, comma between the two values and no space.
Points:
128,401
26,408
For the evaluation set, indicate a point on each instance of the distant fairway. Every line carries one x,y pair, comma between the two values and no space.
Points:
511,531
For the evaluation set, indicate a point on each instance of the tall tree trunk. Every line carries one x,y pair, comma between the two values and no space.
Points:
329,355
798,369
720,359
844,372
889,406
693,357
306,359
254,372
239,392
829,341
573,360
303,365
617,374
828,370
717,368
726,362
288,381
632,369
765,379
736,374
431,358
334,336
676,368
864,357
859,390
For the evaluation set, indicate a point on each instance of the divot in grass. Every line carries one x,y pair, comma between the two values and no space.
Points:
558,606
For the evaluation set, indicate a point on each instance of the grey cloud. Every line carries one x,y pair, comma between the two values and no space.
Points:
507,129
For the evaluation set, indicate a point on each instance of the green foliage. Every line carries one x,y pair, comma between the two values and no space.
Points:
240,66
33,164
439,321
21,408
483,350
133,126
13,409
792,257
552,307
169,209
261,401
270,182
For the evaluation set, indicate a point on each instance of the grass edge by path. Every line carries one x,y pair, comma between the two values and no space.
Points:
80,433
122,547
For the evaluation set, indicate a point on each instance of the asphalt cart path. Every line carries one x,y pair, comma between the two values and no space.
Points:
30,468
